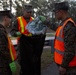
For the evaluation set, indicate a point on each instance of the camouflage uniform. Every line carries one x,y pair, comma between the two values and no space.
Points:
69,44
5,58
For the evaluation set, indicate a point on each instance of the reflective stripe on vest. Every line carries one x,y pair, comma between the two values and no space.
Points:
12,50
60,52
59,45
59,38
22,26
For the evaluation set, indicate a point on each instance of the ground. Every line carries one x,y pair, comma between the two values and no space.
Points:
47,57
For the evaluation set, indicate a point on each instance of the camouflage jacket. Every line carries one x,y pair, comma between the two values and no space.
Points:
69,42
5,58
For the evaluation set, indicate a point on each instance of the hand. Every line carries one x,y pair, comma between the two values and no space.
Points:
13,67
18,33
42,18
62,70
47,21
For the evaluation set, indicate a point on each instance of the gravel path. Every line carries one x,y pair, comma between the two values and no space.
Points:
52,69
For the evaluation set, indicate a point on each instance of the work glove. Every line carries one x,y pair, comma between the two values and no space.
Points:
42,18
13,67
18,33
45,20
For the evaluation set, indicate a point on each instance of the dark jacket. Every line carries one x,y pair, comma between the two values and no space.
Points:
5,58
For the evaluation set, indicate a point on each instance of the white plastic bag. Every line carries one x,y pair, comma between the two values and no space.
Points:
36,27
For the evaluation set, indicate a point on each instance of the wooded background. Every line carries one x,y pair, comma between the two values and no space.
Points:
41,7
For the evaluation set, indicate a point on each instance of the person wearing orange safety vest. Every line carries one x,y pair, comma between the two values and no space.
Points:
7,50
21,26
29,46
65,39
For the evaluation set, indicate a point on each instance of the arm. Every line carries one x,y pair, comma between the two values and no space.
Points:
69,40
52,26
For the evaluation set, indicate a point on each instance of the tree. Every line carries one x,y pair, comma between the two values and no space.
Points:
41,7
72,10
4,4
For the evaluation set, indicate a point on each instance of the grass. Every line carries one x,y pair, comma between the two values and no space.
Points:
46,58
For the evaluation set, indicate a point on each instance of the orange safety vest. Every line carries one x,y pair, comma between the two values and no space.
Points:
22,25
59,45
12,50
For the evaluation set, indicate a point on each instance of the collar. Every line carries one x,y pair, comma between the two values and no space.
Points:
64,21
